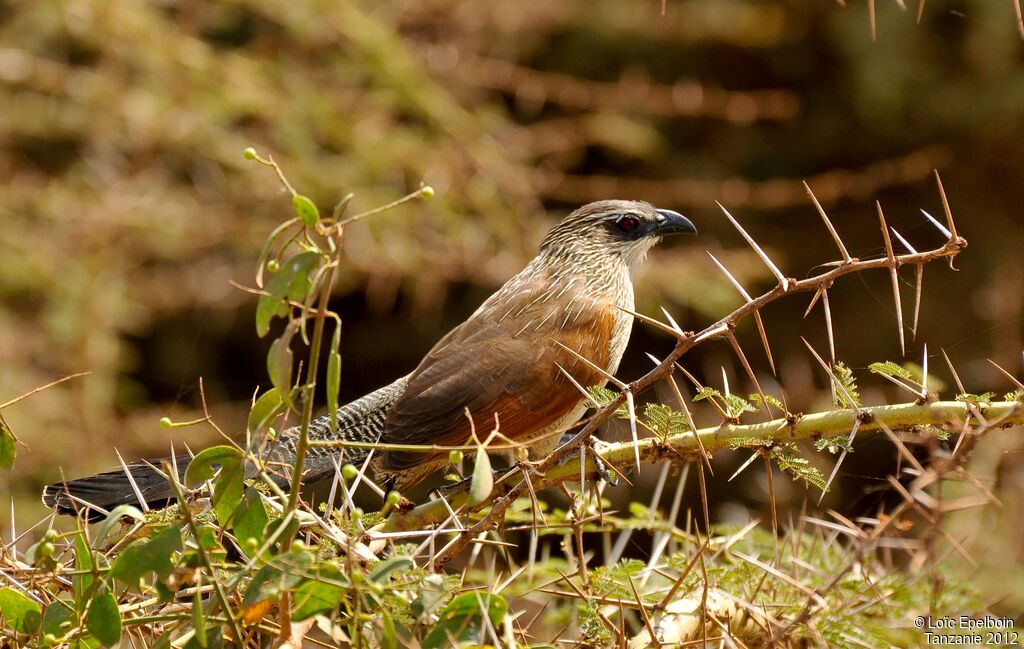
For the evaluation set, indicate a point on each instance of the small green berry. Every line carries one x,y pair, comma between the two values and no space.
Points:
391,501
50,535
357,513
273,265
166,422
298,546
455,457
349,472
249,153
49,639
251,545
47,549
427,192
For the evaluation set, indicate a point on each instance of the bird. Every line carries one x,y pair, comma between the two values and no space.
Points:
517,365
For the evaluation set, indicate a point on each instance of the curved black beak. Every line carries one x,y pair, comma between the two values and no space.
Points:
669,222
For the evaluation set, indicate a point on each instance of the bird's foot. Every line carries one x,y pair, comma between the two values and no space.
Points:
593,446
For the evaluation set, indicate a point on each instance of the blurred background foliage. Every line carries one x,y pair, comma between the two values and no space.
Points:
127,207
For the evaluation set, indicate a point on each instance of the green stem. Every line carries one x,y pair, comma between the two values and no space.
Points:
684,446
204,558
302,447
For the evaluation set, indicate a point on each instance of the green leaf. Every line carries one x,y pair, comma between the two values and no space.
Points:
788,459
334,376
199,620
834,444
279,363
268,406
384,569
601,395
432,593
706,392
58,619
228,488
291,282
267,245
322,593
844,375
306,209
143,556
8,446
291,526
888,368
81,582
205,464
250,519
214,640
20,613
664,420
483,478
227,492
342,205
463,617
282,574
976,399
103,619
767,399
114,518
736,405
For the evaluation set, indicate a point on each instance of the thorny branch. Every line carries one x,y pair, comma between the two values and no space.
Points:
686,341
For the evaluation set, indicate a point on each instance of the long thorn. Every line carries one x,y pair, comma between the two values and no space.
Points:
893,276
764,340
651,321
732,280
631,409
828,325
924,373
941,228
597,368
952,370
835,380
918,281
904,242
760,253
945,208
670,379
1013,379
828,224
750,372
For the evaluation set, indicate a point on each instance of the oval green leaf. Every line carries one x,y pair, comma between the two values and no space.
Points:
306,209
8,446
104,620
144,556
264,410
20,612
292,282
483,478
203,465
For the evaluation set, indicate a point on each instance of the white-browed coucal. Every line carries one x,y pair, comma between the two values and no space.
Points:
507,363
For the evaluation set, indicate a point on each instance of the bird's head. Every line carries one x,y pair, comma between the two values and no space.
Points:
625,230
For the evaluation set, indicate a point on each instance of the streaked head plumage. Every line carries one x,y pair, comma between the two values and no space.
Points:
618,228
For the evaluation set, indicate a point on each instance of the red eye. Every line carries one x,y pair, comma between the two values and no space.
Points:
628,223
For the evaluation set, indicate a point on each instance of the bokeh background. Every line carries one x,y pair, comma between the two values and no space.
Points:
126,206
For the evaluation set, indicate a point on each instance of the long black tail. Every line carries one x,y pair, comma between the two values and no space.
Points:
360,421
105,491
